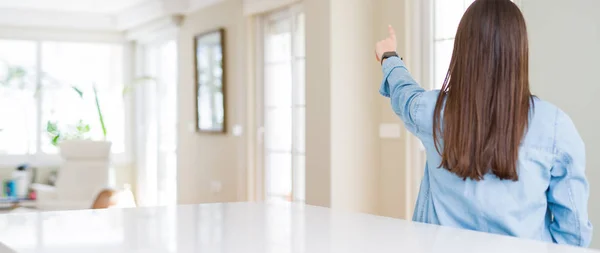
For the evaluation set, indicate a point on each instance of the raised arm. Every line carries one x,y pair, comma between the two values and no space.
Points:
398,84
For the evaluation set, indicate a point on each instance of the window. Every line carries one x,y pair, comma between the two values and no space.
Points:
18,123
284,105
43,92
446,17
156,126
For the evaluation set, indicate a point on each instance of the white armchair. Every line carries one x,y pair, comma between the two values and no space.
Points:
82,175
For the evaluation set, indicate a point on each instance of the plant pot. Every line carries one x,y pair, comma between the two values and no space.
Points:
85,149
84,172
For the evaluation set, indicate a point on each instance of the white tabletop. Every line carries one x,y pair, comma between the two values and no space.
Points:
245,228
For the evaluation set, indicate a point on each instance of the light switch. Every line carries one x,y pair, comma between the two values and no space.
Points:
237,130
215,187
191,126
390,131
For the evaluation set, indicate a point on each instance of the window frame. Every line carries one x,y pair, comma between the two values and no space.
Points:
260,175
141,47
44,160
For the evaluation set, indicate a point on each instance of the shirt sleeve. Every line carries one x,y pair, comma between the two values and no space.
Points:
403,91
568,191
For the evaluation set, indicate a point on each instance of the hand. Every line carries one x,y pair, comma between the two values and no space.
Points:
386,45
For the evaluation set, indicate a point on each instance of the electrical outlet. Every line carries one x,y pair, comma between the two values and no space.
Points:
237,130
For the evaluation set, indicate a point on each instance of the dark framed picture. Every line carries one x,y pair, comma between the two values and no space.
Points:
211,111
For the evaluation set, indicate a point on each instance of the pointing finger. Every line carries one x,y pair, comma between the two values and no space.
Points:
392,32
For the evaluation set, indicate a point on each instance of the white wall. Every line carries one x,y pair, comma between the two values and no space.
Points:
565,62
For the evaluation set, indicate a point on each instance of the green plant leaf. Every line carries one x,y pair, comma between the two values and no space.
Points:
127,89
55,140
100,117
82,128
138,81
14,75
51,127
79,92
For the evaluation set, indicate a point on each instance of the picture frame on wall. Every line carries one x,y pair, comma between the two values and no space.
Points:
210,73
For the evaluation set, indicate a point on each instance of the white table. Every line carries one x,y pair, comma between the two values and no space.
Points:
244,228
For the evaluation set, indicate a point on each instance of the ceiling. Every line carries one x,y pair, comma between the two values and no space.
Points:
81,6
95,15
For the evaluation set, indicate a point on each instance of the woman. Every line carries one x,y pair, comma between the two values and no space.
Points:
498,159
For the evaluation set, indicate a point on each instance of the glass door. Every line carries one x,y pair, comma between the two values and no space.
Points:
157,124
283,112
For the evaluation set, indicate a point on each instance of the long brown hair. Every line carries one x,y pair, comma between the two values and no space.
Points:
485,97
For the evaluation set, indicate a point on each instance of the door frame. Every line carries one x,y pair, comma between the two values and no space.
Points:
259,160
141,119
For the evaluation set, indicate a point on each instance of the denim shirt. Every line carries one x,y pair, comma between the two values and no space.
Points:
547,203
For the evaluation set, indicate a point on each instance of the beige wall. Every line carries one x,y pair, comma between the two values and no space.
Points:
354,107
347,165
204,158
318,105
342,163
392,187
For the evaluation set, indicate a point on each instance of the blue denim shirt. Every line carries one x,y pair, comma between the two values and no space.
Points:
548,202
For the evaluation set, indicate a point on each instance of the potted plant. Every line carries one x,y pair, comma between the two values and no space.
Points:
74,141
84,160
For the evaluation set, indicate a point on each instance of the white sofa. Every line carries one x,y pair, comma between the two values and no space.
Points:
82,175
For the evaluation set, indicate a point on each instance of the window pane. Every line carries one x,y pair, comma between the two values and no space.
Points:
168,95
299,177
17,122
300,83
447,16
278,42
279,174
278,84
299,36
299,129
17,97
442,57
468,3
278,125
284,101
167,139
83,65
